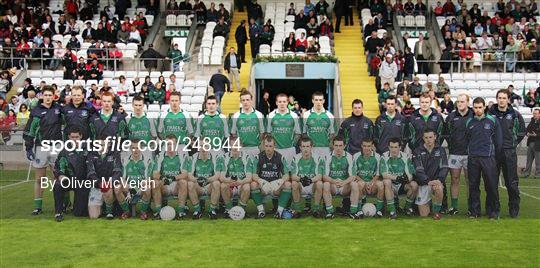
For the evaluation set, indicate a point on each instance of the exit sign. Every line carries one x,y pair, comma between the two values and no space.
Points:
176,33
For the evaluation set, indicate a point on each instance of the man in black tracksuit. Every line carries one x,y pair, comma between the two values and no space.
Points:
514,130
108,122
431,168
454,133
424,118
484,138
388,125
71,166
356,128
77,113
241,39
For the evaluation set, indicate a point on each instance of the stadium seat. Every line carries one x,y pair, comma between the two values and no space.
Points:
420,21
264,50
409,21
400,20
289,18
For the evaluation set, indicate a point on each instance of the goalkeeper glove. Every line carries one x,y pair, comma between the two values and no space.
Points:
305,181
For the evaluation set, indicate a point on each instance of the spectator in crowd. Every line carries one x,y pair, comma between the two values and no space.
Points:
134,36
200,11
289,45
123,87
438,10
301,43
321,8
80,71
372,45
232,65
533,146
123,34
172,88
241,39
27,86
339,10
326,29
441,88
148,83
511,52
172,5
254,32
23,115
32,101
408,67
94,70
221,28
403,87
466,55
221,84
5,84
422,53
266,37
156,95
416,88
385,92
447,105
212,13
176,57
408,109
313,47
4,105
89,33
223,13
388,71
312,27
530,98
265,107
185,5
376,63
150,58
14,103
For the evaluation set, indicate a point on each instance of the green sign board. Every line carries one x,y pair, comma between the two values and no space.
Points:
176,33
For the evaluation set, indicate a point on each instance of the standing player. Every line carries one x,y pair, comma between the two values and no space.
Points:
423,118
513,130
212,125
70,165
237,178
306,179
44,124
356,128
339,179
176,122
431,168
270,177
485,141
108,122
390,124
455,129
319,126
285,127
135,169
204,174
139,126
248,125
396,170
366,170
168,172
104,169
77,113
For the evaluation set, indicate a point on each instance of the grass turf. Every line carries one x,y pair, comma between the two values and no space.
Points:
455,241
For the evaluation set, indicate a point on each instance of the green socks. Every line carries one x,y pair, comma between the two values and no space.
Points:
455,202
354,209
257,196
125,206
436,207
229,205
379,205
295,206
244,206
213,207
38,203
108,208
390,206
284,198
408,203
157,209
144,206
315,207
330,209
197,208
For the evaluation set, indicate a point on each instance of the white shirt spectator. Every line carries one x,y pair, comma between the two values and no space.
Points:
388,70
484,42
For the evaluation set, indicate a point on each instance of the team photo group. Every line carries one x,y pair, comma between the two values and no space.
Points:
288,165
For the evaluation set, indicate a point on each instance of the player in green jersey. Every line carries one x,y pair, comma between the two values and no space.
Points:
338,177
212,125
237,178
248,125
318,124
366,170
135,169
204,174
306,178
285,127
176,122
168,178
140,126
396,169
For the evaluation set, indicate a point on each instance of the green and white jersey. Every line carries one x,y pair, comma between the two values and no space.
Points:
141,128
178,124
283,127
396,165
168,166
237,166
338,167
136,170
366,167
212,126
248,127
198,167
305,167
319,127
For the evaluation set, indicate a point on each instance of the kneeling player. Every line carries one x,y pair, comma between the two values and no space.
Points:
237,179
305,178
135,170
338,178
168,178
395,168
431,169
269,177
204,174
366,169
104,169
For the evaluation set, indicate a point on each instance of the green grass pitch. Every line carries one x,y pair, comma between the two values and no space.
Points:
455,241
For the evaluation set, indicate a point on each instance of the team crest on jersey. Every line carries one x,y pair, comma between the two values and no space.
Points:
241,121
114,119
84,113
110,158
434,119
487,126
56,111
366,125
437,153
398,122
508,116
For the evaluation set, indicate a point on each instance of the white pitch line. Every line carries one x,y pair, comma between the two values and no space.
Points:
524,193
13,184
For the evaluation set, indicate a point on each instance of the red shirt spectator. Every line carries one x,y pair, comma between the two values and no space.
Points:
466,54
71,7
449,8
